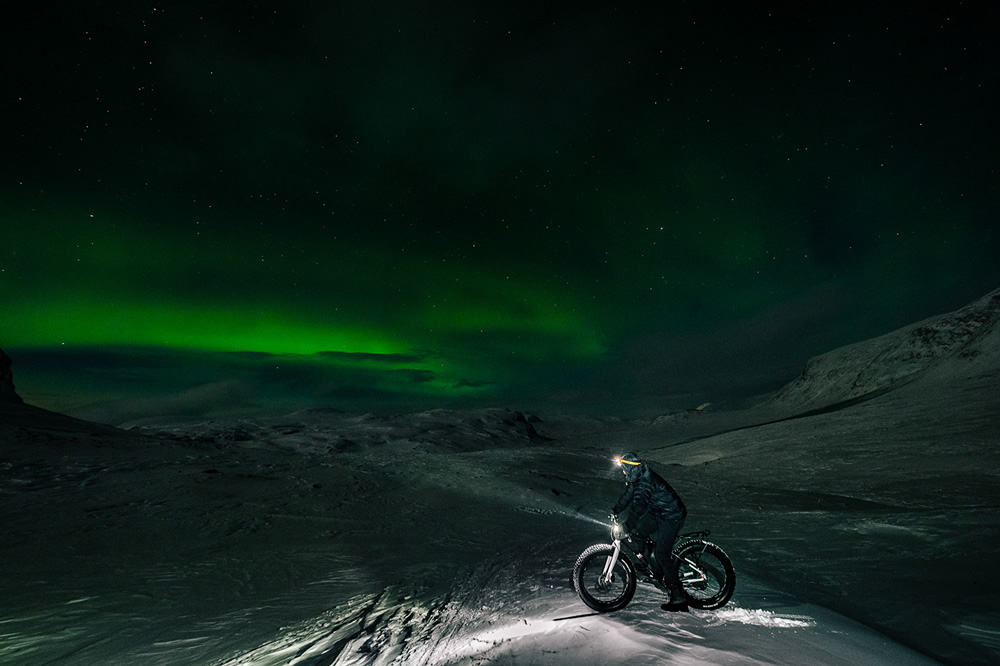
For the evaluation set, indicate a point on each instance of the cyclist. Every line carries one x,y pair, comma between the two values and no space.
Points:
655,511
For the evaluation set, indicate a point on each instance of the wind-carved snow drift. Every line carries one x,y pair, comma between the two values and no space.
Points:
961,343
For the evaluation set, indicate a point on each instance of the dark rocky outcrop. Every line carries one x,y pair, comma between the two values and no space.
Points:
7,392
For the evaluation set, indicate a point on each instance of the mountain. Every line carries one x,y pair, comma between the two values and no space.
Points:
964,343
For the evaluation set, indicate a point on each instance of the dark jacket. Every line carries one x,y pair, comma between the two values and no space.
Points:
646,493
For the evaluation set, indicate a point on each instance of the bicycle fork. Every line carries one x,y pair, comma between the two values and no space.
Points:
609,566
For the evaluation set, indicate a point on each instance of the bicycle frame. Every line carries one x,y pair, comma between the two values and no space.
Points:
689,574
693,574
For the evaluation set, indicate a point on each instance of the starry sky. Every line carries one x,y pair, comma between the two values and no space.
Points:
393,205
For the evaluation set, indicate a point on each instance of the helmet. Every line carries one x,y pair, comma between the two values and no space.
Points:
631,465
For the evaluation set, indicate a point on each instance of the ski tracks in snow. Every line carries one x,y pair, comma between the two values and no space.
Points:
396,625
487,606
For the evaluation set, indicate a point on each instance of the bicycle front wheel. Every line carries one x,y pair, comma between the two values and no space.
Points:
603,593
706,573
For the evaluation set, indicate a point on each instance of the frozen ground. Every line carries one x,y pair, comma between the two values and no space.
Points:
863,531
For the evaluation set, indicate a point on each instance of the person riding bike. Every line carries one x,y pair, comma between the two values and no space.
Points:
655,511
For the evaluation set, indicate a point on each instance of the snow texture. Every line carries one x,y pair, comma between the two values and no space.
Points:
859,506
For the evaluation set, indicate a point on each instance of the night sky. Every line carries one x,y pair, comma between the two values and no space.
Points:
386,205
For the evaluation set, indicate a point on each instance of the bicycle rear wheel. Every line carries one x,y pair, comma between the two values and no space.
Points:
706,573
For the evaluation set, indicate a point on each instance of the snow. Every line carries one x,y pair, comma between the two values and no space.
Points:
862,531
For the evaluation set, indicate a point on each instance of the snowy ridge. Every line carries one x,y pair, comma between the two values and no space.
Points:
959,343
318,431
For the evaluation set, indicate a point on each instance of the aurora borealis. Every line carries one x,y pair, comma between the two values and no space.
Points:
385,204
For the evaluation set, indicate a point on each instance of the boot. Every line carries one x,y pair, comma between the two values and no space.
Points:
678,601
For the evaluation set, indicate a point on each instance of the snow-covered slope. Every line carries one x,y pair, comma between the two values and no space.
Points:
865,534
324,538
960,343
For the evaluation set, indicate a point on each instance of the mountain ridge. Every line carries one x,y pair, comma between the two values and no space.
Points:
964,342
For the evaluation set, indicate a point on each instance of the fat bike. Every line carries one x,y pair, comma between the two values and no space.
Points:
605,575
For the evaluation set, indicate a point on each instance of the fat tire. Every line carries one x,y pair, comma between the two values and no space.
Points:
590,565
714,561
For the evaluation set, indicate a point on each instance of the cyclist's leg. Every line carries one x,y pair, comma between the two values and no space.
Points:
667,565
646,528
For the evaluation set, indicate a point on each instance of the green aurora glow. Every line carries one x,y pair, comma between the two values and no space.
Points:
579,206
